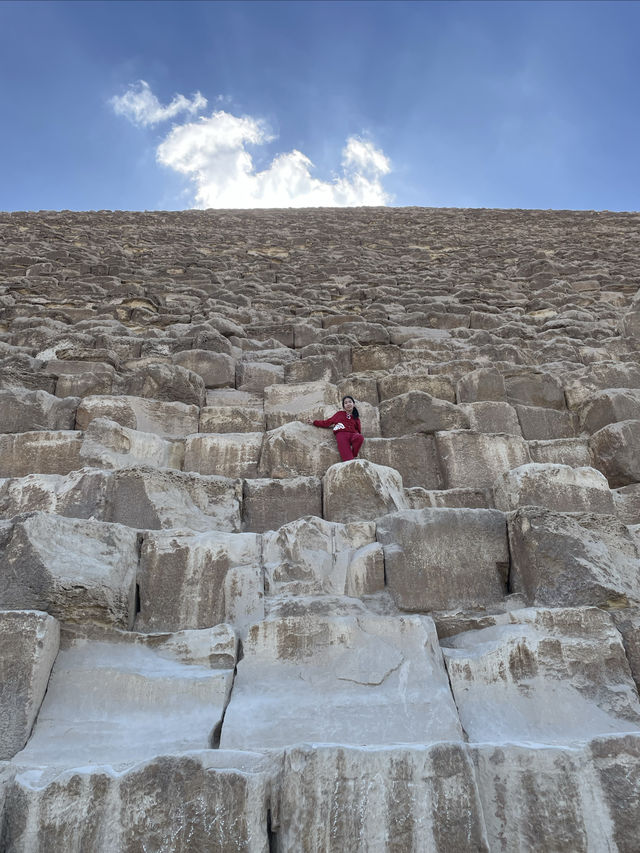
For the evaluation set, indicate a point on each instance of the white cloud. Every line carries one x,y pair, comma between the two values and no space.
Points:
212,153
141,106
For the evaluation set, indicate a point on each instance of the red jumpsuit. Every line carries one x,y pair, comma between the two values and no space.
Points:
350,438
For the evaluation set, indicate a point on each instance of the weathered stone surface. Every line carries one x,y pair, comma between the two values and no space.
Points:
306,401
228,454
493,417
417,411
556,487
54,452
156,416
359,490
256,376
474,460
506,678
119,697
314,557
269,503
107,444
231,419
541,424
560,559
168,382
298,449
486,383
206,800
29,643
24,411
406,798
535,388
627,503
217,369
609,407
78,571
437,386
436,559
562,451
354,680
616,452
414,457
418,498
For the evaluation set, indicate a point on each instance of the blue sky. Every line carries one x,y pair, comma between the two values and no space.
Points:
458,104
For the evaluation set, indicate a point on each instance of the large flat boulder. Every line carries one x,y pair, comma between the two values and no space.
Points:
414,457
29,643
474,460
565,560
360,680
296,449
107,444
45,452
269,503
557,487
437,559
417,411
199,580
76,570
24,411
306,401
359,490
227,454
615,450
160,417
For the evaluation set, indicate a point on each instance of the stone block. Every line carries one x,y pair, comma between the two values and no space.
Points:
562,451
231,419
419,498
29,643
312,368
47,452
414,457
562,560
535,388
437,559
107,444
363,387
505,678
375,357
419,412
347,680
120,697
483,384
297,449
609,407
616,452
217,369
27,411
168,382
228,454
199,580
541,424
308,401
359,490
270,503
493,417
556,487
255,376
627,503
310,556
440,386
474,460
159,417
76,570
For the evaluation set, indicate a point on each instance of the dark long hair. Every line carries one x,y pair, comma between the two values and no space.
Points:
355,413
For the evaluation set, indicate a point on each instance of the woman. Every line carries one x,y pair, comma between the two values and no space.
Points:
346,428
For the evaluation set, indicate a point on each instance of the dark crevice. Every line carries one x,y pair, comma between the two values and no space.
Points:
507,583
216,734
137,606
272,836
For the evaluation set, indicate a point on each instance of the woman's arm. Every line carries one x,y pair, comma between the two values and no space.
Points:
329,422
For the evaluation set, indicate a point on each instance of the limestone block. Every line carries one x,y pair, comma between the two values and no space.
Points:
562,451
107,444
506,678
298,449
610,406
474,460
419,412
440,386
312,368
627,621
535,388
217,369
258,375
375,357
417,799
269,503
159,417
437,559
147,498
541,424
353,680
168,382
232,454
231,419
616,452
55,452
26,411
580,559
120,697
84,384
29,643
483,384
76,570
418,498
541,798
199,580
627,503
363,387
556,487
307,401
314,557
206,800
369,419
359,490
414,457
493,417
80,494
234,399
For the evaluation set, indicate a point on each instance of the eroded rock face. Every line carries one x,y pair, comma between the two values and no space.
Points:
165,498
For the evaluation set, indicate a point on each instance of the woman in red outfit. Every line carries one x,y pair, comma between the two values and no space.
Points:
346,428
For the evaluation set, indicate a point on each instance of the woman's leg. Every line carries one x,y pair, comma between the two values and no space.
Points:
356,442
344,445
